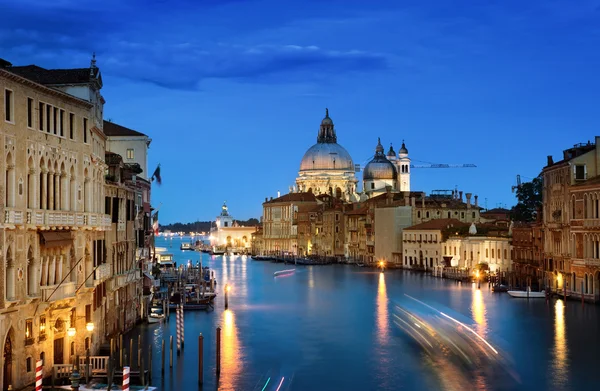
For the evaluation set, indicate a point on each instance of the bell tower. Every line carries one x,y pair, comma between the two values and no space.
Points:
403,164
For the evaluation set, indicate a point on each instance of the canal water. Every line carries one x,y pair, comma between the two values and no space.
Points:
332,328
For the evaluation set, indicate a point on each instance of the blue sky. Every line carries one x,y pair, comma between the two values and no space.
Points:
232,92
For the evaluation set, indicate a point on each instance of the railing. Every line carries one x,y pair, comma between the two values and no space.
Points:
591,262
102,273
12,216
591,223
370,242
57,218
64,291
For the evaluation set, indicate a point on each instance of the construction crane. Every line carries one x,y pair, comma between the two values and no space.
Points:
518,186
360,167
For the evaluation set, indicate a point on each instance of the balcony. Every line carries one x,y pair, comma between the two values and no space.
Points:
592,262
57,219
102,273
588,223
64,291
370,242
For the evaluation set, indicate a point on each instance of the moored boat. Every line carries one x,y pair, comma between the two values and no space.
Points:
528,294
156,315
186,246
500,288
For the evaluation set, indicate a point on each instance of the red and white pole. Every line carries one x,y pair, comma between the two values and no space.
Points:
39,375
182,328
178,326
125,379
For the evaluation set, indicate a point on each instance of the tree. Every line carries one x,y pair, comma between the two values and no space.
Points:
529,195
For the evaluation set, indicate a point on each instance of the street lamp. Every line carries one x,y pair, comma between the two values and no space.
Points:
381,264
71,331
89,327
478,281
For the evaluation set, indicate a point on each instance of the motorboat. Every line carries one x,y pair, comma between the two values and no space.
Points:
156,315
499,288
284,272
528,294
186,246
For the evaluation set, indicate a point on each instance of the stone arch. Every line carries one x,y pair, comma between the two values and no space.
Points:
8,358
72,189
31,179
86,190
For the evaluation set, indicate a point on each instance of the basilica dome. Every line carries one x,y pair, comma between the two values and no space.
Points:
326,154
380,167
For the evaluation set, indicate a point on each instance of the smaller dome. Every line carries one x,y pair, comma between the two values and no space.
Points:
380,167
391,152
403,149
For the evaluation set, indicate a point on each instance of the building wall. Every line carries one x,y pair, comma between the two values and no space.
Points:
472,250
139,144
422,248
52,183
389,223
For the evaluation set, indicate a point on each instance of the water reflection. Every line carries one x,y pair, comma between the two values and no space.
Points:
231,364
560,363
479,312
382,311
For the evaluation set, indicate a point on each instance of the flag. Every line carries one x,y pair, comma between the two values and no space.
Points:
155,224
156,175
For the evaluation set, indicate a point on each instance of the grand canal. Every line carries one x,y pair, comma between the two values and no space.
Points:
332,328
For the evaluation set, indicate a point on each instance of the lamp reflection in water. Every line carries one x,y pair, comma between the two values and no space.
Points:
382,311
231,365
560,363
479,312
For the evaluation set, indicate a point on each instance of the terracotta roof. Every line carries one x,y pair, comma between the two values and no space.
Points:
360,211
496,211
54,76
437,224
112,129
294,197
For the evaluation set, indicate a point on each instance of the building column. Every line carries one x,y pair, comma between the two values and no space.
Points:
64,191
44,190
51,191
57,191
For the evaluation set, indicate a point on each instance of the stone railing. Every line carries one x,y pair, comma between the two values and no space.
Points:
591,223
64,291
58,218
102,273
12,216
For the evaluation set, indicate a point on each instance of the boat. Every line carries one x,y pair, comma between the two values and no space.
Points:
500,288
217,251
528,294
156,315
284,272
186,246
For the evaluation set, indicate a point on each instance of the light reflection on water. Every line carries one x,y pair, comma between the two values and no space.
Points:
479,312
560,363
231,361
382,311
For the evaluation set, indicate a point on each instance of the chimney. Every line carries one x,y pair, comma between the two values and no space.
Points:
266,199
423,200
460,195
475,201
468,195
406,200
413,201
271,199
550,161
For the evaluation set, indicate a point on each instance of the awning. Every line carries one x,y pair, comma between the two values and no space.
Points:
56,239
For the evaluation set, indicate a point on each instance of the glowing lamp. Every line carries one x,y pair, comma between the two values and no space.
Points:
71,331
381,263
89,327
477,274
228,288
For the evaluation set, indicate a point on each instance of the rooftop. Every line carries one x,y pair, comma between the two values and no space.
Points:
55,76
437,224
294,197
112,129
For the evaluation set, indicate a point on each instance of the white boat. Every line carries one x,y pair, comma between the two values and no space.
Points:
186,246
528,294
156,315
284,272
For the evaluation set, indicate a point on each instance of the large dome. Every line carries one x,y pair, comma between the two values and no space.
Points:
326,156
380,167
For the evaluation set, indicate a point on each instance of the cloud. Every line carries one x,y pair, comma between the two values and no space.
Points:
128,44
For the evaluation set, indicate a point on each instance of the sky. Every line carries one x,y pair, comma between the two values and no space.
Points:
232,92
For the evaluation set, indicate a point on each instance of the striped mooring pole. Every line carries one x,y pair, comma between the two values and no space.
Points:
178,326
39,369
182,328
125,379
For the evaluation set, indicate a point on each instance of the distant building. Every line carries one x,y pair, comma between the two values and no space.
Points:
228,233
528,254
422,244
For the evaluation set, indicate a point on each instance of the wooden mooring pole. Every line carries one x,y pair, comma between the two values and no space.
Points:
200,359
162,358
218,351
